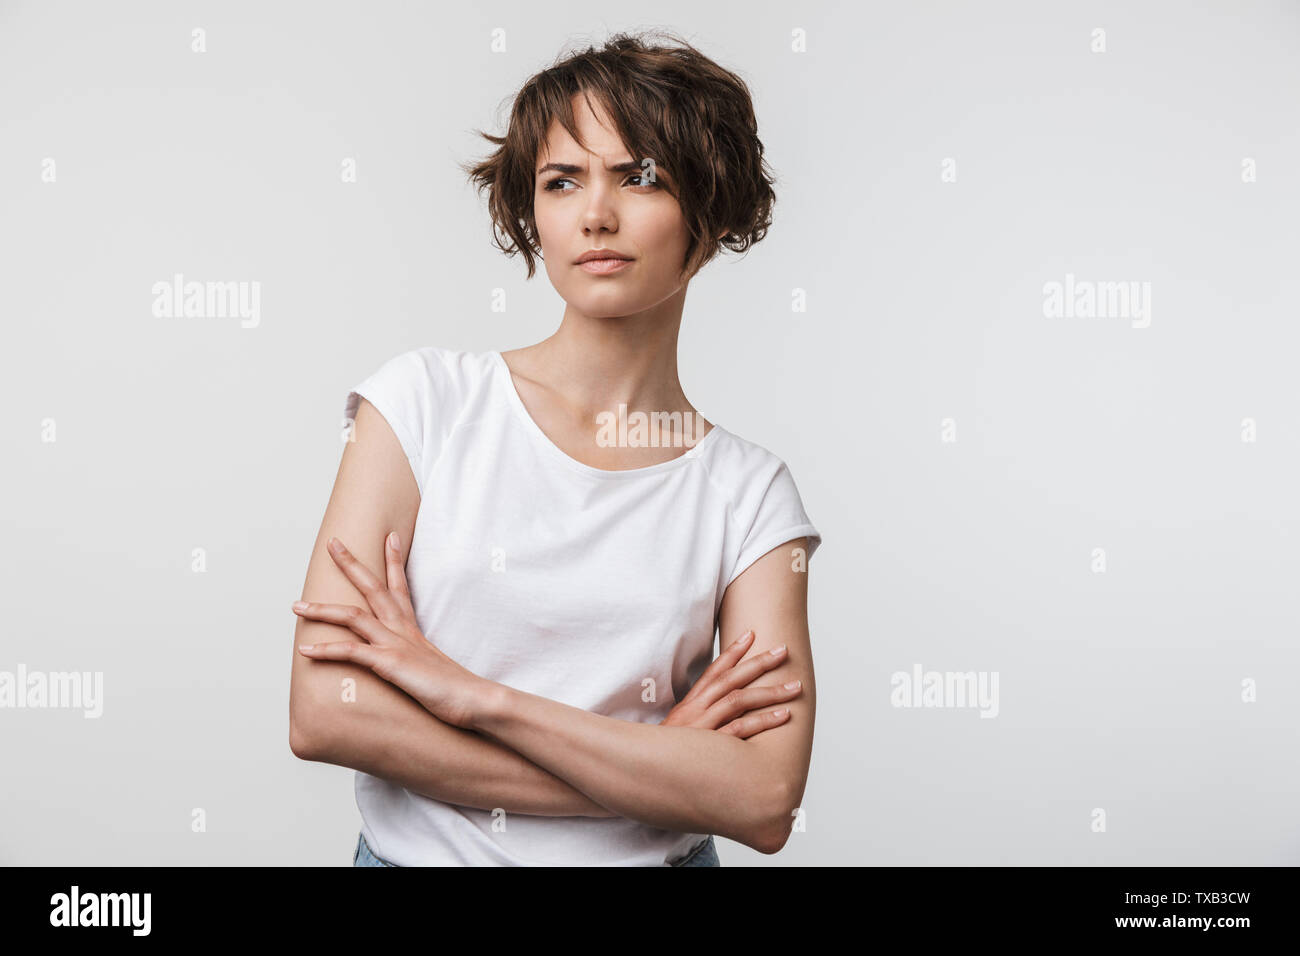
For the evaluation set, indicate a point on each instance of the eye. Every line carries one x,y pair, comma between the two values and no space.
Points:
554,184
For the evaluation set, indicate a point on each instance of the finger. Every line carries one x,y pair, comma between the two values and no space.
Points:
745,699
745,727
362,654
370,586
397,575
745,672
722,663
355,619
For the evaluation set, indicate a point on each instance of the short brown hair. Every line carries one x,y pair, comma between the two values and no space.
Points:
669,102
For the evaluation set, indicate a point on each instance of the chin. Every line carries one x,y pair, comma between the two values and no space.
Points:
605,303
604,310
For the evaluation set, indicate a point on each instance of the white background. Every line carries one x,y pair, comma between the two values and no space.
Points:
1120,691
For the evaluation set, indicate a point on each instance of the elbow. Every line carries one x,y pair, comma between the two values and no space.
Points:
304,729
300,742
771,829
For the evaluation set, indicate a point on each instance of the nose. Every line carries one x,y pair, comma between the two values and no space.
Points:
600,214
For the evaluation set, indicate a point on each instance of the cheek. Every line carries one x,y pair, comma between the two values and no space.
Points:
665,232
544,217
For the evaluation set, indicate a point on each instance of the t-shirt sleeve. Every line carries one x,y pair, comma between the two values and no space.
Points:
771,513
402,390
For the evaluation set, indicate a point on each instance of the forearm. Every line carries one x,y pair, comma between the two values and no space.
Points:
677,778
385,733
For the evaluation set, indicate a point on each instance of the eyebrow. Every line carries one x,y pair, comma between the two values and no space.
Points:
569,169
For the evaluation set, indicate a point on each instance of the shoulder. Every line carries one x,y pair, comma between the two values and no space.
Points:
765,508
423,394
431,374
442,368
740,467
424,390
460,366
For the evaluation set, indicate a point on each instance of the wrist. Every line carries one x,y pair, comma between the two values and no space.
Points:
493,703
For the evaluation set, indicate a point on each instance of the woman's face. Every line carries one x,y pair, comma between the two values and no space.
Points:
603,198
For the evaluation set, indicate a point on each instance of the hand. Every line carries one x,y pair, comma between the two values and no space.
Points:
722,692
394,647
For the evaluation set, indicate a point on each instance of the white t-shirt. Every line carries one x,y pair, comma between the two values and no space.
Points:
595,588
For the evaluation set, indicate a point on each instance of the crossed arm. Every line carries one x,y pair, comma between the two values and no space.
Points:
528,754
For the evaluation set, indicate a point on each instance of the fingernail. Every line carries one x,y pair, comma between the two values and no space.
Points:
300,605
776,651
305,647
779,713
792,685
746,636
333,544
392,540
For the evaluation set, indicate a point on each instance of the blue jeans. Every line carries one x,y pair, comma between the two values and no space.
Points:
362,856
705,854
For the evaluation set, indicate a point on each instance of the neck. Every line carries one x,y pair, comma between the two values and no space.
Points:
595,363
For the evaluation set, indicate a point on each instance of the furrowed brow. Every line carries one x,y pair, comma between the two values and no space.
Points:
569,169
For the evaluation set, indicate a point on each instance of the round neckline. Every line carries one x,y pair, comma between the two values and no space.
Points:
517,403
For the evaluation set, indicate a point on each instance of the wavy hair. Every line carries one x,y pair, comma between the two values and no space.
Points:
669,103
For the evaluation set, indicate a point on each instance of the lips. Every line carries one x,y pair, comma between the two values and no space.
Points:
606,266
594,254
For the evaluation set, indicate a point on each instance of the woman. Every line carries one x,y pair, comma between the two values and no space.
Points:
528,680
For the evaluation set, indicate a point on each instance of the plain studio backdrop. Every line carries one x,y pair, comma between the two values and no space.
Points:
1096,506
